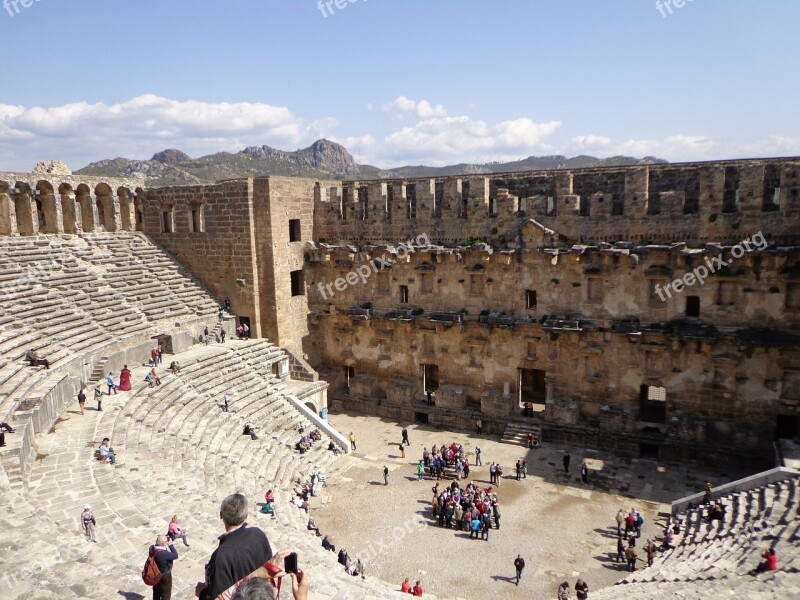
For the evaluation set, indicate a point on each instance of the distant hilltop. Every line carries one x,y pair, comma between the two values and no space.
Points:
322,160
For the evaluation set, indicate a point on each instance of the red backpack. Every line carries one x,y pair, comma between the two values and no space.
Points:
151,574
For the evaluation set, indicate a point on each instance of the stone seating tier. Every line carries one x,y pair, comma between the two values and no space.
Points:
179,453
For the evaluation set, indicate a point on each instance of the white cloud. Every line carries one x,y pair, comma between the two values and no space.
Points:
82,132
459,138
403,107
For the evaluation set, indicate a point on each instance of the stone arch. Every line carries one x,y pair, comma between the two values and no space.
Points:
311,405
47,209
106,213
127,222
8,213
26,224
71,217
83,196
138,209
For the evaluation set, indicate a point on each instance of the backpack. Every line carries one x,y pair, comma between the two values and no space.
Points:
151,574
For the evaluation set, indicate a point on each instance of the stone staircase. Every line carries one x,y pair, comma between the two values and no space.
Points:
516,433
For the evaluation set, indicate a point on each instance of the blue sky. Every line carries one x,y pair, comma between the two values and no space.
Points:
400,81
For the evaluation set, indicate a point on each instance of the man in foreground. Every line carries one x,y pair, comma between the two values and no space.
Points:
241,550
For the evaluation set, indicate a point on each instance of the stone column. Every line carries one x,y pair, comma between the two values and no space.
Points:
8,215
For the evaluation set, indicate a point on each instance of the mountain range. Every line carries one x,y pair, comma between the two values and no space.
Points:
322,160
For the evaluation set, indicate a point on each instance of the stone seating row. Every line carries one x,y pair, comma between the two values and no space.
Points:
716,557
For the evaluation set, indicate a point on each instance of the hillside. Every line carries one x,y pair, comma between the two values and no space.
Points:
323,160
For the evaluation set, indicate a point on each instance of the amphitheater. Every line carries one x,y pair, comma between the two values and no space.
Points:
529,301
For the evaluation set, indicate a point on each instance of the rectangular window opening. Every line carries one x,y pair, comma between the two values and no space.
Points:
298,287
294,230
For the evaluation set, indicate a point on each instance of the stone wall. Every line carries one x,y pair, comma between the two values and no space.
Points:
693,202
211,230
603,284
721,389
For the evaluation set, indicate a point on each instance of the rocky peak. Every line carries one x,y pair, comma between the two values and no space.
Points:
171,157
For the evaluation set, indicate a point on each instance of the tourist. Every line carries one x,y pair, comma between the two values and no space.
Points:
405,587
420,471
225,399
81,400
498,473
405,437
241,550
620,520
707,493
154,356
327,544
35,360
125,379
110,384
566,460
563,591
518,469
154,375
650,550
478,456
630,556
716,512
620,548
174,531
385,475
519,565
496,511
417,591
638,521
240,332
88,523
531,437
361,569
246,331
402,451
206,335
581,589
107,452
479,426
98,396
343,559
486,525
585,473
669,539
474,527
261,588
222,335
492,473
163,556
770,562
630,523
312,526
150,380
352,437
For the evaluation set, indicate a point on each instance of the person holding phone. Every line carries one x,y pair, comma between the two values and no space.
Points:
266,582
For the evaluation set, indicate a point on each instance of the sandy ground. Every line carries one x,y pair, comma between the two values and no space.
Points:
563,528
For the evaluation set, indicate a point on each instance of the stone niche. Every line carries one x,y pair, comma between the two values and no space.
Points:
494,403
401,392
451,396
364,386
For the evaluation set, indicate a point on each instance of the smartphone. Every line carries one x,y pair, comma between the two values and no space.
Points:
290,563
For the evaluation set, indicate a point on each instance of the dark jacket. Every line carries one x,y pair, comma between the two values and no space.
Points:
240,552
164,558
